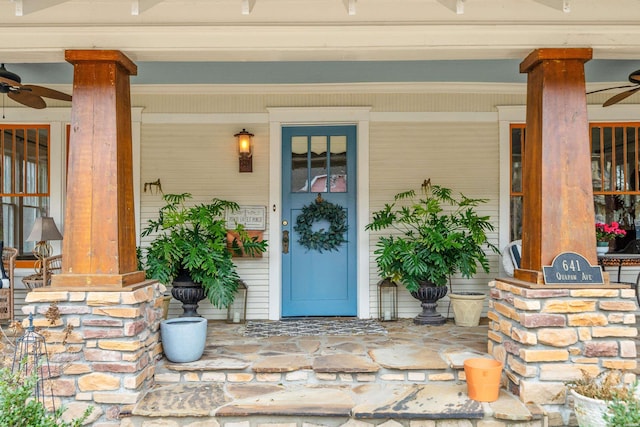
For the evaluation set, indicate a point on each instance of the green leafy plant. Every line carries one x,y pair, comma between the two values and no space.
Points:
623,412
436,236
193,239
19,408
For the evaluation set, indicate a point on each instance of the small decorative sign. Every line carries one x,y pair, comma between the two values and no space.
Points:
251,217
570,268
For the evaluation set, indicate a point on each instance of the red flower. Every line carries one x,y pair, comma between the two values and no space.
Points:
608,232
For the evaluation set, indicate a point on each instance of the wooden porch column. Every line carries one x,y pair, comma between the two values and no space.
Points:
99,245
558,213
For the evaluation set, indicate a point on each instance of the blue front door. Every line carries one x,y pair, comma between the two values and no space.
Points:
318,161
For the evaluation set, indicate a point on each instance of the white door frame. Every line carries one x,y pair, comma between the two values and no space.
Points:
311,116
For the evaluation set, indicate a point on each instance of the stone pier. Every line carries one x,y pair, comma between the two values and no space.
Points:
102,346
548,335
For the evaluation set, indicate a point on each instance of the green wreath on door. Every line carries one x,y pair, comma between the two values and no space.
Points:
322,240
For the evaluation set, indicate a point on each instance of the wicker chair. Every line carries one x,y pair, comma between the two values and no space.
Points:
51,265
9,256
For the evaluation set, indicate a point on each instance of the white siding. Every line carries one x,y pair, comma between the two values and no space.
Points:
461,156
201,159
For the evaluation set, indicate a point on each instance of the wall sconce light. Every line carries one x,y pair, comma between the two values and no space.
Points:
44,229
245,150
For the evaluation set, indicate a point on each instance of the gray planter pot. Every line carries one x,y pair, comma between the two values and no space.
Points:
183,338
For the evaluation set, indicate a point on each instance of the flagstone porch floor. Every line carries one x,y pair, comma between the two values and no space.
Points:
409,376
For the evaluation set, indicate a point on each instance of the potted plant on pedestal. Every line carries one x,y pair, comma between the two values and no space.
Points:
190,250
436,235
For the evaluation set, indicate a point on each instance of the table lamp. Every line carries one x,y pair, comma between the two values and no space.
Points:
44,229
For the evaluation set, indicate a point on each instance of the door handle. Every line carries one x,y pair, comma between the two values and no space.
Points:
285,242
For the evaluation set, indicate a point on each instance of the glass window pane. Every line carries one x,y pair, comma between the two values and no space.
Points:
516,159
515,230
338,164
319,164
299,164
608,159
19,171
618,144
43,162
596,159
8,222
31,163
632,177
7,165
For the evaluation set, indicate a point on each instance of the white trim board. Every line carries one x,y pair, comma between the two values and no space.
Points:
317,116
347,117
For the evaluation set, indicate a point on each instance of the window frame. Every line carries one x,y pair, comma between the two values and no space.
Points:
19,180
605,190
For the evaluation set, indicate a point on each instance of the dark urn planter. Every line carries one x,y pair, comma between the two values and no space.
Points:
188,293
429,294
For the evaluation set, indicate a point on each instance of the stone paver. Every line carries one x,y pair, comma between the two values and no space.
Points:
456,358
407,357
182,400
507,407
305,401
433,401
344,363
282,363
210,364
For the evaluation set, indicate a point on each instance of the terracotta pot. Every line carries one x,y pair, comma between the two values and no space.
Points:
483,379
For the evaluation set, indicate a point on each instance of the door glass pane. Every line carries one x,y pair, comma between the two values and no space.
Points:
319,164
299,164
338,164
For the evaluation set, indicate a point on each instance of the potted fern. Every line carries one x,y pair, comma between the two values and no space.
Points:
435,235
190,250
190,247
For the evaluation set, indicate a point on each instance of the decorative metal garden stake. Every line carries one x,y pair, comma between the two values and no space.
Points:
31,356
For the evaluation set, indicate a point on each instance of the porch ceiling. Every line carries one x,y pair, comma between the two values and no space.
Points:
38,31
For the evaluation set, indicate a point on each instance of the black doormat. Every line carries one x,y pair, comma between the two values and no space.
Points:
313,327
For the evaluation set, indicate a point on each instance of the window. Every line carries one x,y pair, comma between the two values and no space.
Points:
24,182
614,172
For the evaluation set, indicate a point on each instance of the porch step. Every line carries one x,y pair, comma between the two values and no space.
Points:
408,374
212,404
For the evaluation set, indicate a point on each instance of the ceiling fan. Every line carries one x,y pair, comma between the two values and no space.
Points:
633,78
29,95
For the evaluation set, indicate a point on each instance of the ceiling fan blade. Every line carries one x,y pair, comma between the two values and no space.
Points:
610,88
9,81
28,99
46,92
619,97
